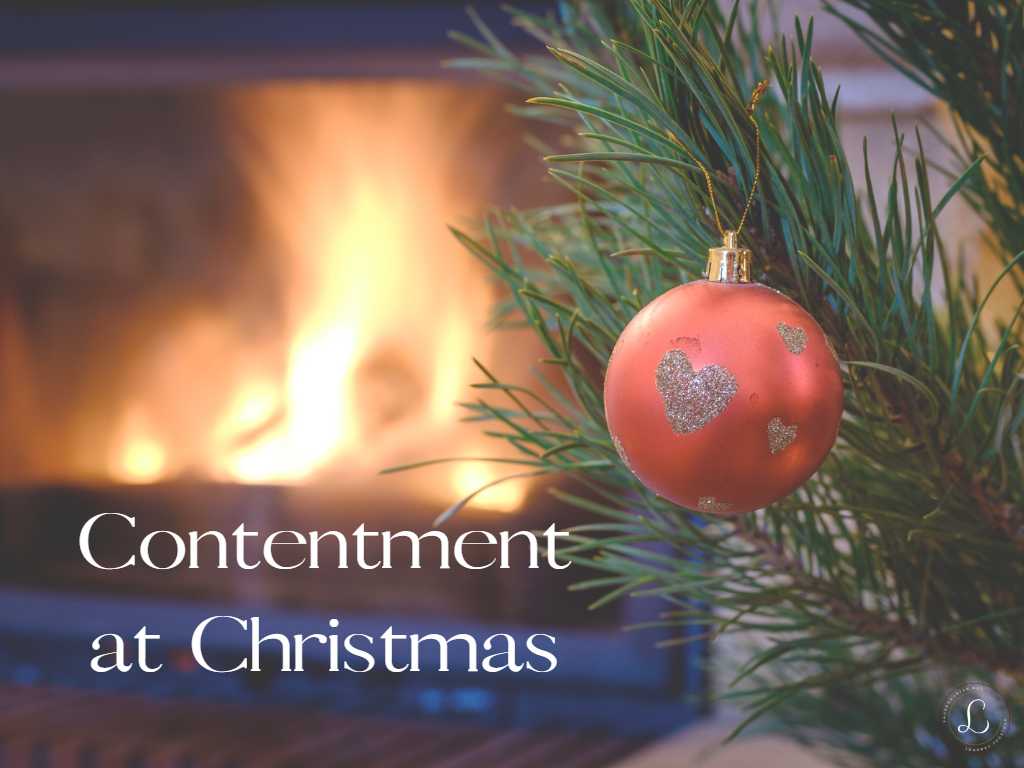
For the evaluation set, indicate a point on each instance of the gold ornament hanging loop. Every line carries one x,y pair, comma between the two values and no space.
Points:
730,236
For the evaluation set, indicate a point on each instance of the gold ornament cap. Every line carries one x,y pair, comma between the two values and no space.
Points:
728,263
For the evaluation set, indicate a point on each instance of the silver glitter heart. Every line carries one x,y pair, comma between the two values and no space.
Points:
692,399
779,435
793,337
709,505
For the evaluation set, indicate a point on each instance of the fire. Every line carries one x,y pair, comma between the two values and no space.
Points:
143,461
505,497
383,311
318,422
140,457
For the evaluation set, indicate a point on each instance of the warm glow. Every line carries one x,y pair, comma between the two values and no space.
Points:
142,462
140,458
380,310
253,406
315,418
505,497
350,260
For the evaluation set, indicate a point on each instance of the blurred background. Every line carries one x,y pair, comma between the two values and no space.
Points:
228,293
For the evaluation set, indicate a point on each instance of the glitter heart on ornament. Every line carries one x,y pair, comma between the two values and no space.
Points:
794,337
692,398
780,436
709,505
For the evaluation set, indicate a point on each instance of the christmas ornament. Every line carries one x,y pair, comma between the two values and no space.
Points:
722,395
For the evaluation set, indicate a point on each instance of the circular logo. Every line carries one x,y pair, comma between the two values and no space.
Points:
976,716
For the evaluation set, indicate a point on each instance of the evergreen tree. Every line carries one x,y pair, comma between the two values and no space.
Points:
896,572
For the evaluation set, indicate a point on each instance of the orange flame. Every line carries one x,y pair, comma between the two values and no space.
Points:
384,310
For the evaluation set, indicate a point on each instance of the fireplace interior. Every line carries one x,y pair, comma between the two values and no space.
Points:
228,294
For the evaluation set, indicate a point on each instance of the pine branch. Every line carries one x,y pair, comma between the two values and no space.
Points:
902,554
985,91
862,621
968,55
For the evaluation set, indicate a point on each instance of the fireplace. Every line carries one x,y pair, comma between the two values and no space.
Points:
253,283
229,295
